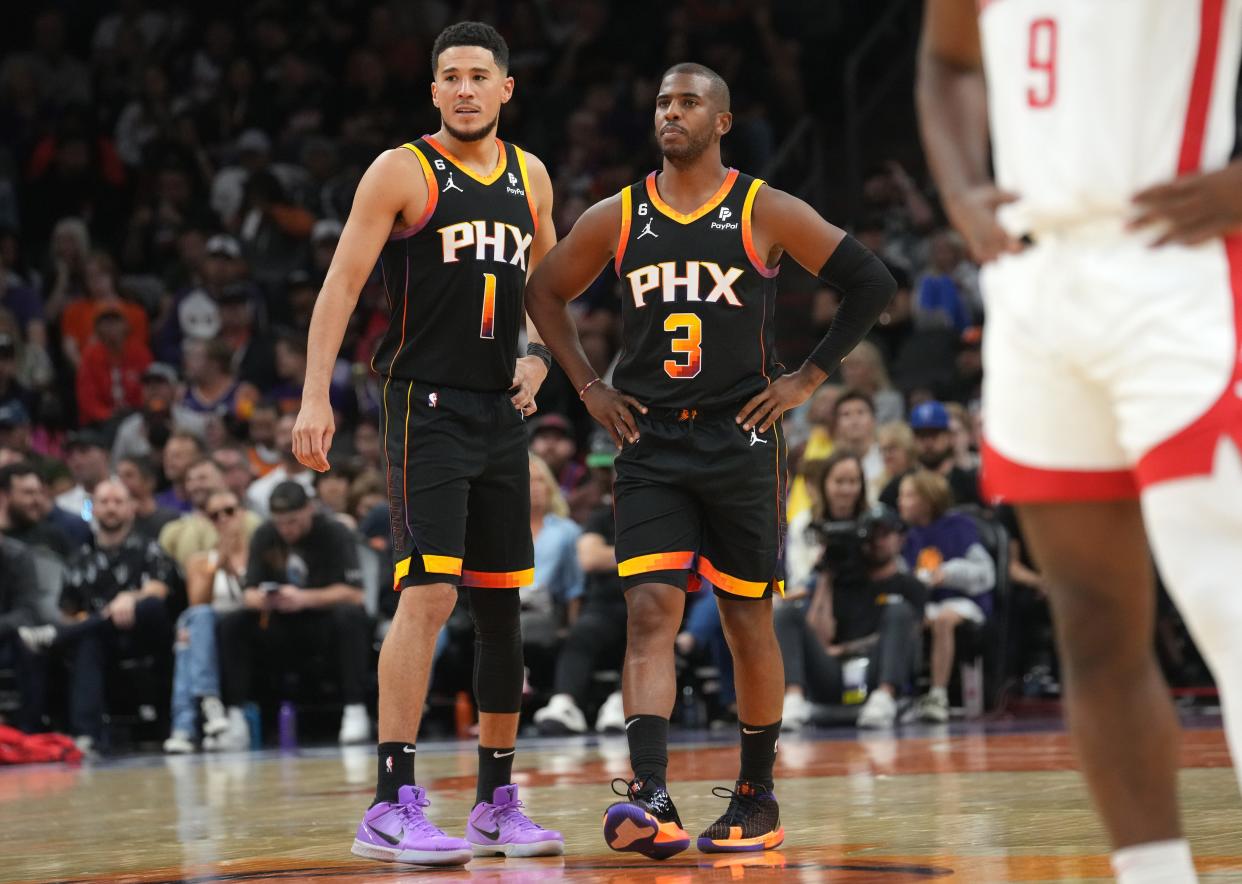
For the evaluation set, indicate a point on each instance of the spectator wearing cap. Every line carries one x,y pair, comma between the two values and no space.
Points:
303,589
197,314
180,451
212,388
853,430
147,430
139,476
254,355
109,375
944,550
874,614
24,514
78,322
933,440
87,455
116,593
287,469
552,441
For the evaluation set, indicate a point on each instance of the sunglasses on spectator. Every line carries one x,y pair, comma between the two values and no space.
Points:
225,512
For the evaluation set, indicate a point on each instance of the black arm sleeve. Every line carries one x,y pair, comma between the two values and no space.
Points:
867,286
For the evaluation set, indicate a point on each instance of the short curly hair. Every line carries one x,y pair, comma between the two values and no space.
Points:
471,33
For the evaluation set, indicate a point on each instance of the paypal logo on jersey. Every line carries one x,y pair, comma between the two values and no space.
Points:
458,236
725,214
513,187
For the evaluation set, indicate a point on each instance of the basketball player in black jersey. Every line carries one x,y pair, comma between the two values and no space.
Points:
456,219
699,394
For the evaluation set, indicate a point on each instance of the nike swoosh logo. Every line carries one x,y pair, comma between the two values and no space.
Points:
747,731
389,838
628,723
408,750
503,754
491,836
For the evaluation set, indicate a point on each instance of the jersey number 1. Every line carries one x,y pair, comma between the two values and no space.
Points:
487,328
1041,59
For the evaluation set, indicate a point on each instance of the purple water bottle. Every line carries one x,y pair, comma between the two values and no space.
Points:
287,726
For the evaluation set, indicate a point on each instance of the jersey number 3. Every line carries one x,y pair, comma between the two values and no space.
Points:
1041,61
688,346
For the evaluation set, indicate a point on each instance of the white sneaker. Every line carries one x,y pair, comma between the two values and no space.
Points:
236,738
355,725
932,708
611,718
561,716
37,638
796,713
880,711
179,743
215,717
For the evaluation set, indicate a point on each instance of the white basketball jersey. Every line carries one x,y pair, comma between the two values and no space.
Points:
1093,100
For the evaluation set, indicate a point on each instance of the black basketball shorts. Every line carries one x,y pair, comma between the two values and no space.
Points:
458,479
699,499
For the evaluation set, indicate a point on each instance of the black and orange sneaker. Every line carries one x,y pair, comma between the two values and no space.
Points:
646,822
751,822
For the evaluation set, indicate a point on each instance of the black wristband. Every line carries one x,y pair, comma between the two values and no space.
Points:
534,348
867,286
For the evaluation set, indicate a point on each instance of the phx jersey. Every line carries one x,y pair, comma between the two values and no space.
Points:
455,277
697,301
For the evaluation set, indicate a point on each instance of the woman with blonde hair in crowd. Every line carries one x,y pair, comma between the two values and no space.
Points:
838,493
864,370
896,441
550,605
944,551
213,585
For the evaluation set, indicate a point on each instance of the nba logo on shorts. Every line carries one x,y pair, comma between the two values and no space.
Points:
433,399
388,763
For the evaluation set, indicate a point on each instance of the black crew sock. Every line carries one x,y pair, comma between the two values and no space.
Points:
495,770
396,769
759,752
648,739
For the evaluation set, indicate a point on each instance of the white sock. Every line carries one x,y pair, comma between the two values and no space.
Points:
941,694
1195,526
1160,862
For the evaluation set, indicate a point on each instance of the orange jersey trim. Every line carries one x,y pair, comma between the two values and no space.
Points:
482,179
627,204
748,240
433,196
530,194
670,561
665,209
442,564
498,579
751,589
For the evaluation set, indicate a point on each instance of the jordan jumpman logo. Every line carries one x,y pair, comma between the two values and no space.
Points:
451,186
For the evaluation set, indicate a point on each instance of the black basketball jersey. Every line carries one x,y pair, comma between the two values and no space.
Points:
455,277
697,301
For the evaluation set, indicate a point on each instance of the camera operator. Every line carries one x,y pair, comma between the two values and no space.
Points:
865,607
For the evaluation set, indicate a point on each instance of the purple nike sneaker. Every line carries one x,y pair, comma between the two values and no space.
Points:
401,833
502,828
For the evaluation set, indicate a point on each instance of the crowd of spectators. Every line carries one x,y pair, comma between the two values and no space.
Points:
173,184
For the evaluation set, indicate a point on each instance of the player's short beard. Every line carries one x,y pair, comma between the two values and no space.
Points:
693,149
477,135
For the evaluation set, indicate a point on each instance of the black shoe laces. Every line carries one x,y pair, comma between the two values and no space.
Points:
741,805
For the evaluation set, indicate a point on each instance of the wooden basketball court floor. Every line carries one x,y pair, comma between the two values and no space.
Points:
997,803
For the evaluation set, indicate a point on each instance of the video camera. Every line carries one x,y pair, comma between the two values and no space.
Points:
844,541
